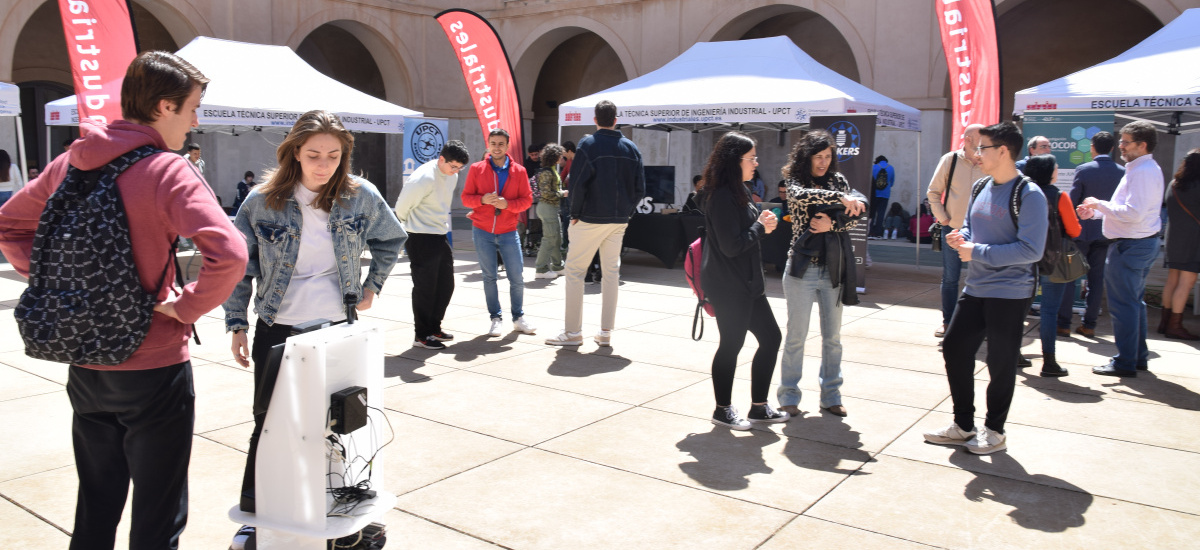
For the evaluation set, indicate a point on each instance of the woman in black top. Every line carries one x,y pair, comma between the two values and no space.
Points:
820,266
731,276
1183,252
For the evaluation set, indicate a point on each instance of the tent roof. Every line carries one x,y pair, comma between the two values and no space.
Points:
10,99
261,85
1156,76
764,80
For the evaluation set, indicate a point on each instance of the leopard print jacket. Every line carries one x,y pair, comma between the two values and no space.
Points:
801,199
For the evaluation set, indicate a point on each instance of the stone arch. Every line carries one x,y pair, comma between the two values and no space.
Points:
388,51
734,21
1164,10
530,54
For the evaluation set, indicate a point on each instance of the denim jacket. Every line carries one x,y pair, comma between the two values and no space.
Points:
607,180
360,220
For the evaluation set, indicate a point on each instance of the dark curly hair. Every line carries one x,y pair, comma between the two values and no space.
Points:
724,167
799,166
1041,169
1188,174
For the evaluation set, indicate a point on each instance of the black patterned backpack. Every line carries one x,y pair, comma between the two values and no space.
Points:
85,304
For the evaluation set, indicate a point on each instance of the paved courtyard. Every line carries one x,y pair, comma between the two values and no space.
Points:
506,442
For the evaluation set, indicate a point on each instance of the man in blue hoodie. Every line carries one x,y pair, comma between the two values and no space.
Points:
999,288
881,172
607,182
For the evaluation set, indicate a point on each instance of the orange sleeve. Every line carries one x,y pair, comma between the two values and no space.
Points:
1066,211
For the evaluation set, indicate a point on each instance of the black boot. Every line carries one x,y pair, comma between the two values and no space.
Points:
1050,368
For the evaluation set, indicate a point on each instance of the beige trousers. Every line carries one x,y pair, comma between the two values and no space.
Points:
586,238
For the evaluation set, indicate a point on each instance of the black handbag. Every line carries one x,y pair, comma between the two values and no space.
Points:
1071,264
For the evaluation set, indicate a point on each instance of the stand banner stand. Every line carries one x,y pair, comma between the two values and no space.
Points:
294,461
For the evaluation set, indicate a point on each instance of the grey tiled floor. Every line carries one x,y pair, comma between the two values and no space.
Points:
511,443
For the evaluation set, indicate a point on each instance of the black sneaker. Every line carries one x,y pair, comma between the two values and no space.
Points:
729,417
244,539
429,342
1023,362
764,413
443,336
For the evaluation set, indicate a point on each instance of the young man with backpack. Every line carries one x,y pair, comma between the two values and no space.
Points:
883,176
1000,281
130,385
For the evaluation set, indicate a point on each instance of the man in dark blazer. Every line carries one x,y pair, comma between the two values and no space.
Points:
1098,178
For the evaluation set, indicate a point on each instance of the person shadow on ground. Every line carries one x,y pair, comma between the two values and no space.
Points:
825,442
1038,501
725,461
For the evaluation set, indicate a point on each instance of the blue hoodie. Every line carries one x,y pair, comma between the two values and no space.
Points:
1001,264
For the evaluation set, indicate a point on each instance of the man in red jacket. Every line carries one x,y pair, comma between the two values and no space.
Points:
134,421
497,191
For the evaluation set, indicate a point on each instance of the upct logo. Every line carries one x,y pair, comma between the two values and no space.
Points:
847,139
426,142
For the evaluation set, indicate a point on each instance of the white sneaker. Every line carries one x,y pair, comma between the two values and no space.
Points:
987,442
603,338
523,326
565,338
950,435
497,323
546,275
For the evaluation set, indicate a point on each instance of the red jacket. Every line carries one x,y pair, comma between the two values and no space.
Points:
164,197
481,180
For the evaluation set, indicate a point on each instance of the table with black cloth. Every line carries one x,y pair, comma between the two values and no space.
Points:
775,245
659,234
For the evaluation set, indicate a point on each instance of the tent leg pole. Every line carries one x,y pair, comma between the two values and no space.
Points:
24,164
559,135
917,240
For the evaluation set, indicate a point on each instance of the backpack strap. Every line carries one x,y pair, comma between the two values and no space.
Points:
950,178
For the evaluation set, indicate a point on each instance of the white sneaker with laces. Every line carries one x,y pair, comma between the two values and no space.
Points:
497,323
546,275
603,338
523,326
565,338
950,435
987,442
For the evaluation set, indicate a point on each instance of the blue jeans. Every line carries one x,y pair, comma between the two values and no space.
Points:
801,293
1052,300
951,271
4,196
1095,252
509,247
1125,272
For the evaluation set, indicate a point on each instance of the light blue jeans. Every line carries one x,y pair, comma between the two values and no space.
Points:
509,247
801,293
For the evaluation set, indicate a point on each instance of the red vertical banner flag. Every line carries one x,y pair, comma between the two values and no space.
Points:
488,75
101,44
968,29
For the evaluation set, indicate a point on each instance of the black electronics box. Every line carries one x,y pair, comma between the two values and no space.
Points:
348,410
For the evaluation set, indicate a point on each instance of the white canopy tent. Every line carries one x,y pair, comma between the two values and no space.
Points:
10,105
1156,81
765,82
257,85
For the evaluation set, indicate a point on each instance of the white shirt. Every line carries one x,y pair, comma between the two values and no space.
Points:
15,181
314,291
424,202
1132,213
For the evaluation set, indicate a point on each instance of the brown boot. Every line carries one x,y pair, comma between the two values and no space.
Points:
1175,328
1162,320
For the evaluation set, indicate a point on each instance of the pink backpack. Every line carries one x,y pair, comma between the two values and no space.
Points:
691,271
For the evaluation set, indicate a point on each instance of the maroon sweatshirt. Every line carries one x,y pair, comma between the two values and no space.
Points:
164,198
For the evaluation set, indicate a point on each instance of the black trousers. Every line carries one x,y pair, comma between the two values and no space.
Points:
1002,322
734,319
432,262
265,375
131,426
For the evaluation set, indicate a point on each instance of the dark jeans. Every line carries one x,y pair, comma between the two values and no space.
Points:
265,374
131,426
734,319
878,213
1002,322
432,264
1095,252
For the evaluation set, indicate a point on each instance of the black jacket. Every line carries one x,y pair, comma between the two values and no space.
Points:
607,180
731,268
839,254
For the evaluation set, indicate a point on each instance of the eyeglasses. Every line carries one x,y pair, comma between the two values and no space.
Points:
1123,142
751,159
979,149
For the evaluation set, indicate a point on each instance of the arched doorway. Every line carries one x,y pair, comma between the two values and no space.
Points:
809,30
42,69
1085,32
339,54
582,64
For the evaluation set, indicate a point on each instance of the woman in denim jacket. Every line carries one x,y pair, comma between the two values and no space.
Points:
305,230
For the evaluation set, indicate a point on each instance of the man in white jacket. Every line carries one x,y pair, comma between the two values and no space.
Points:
424,210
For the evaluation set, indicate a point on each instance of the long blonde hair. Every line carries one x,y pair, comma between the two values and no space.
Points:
282,181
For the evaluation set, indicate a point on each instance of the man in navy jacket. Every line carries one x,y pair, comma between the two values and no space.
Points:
1098,178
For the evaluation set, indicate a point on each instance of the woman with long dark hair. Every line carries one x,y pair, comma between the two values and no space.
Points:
1043,170
731,276
1183,252
306,228
549,262
820,267
10,177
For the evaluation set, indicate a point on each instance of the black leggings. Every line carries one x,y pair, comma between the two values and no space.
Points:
735,318
1002,322
265,336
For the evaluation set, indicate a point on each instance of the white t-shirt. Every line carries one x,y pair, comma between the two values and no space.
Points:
314,291
15,181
